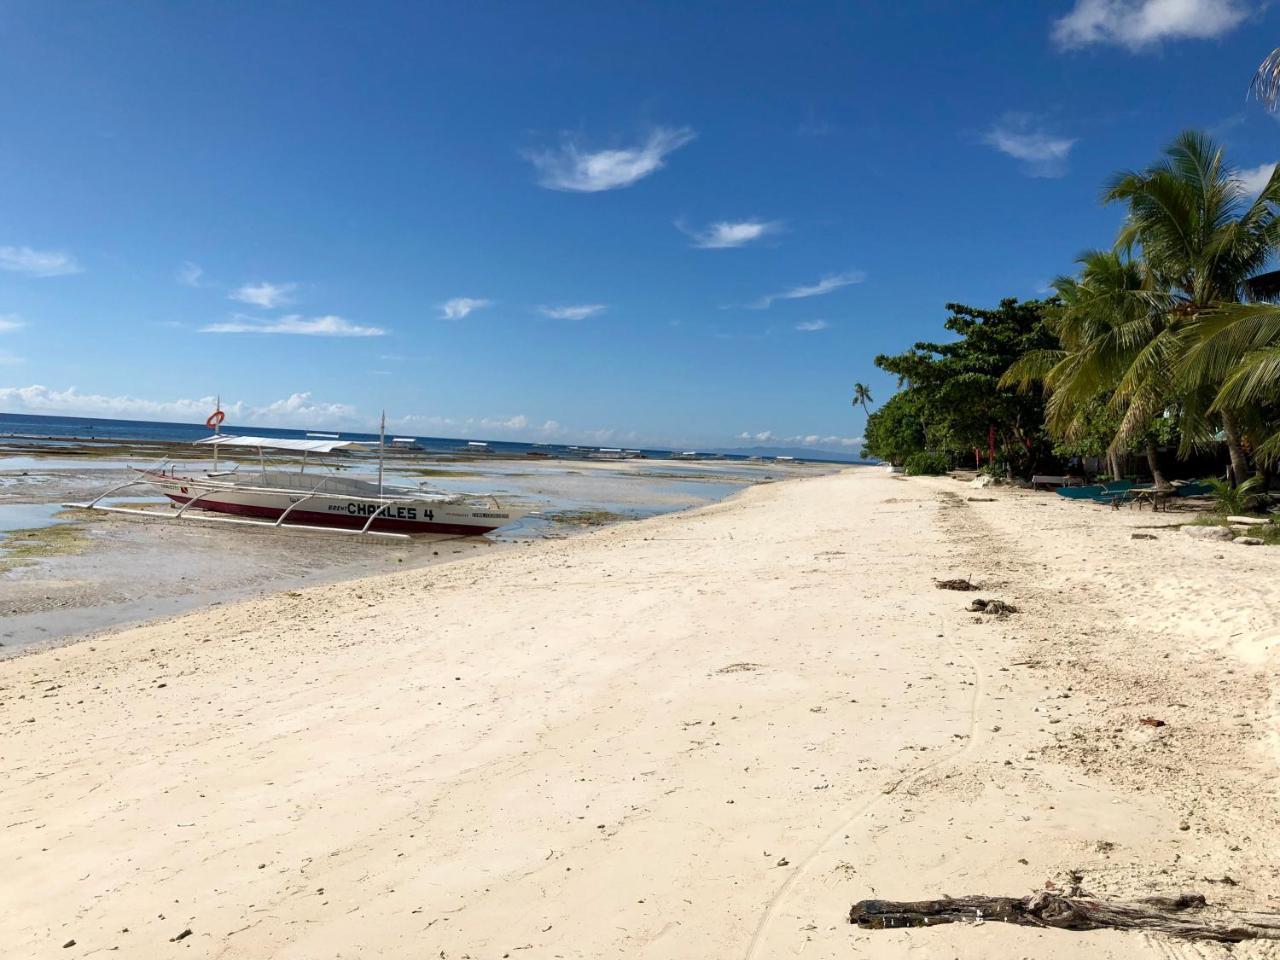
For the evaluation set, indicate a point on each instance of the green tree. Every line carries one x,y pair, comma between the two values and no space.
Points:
895,432
956,391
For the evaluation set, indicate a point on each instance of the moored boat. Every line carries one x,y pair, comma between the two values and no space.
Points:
330,501
298,499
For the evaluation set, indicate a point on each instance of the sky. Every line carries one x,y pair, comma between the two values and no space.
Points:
660,224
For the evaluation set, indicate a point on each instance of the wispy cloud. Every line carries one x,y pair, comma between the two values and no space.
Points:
576,312
801,439
812,326
825,285
265,295
1042,154
459,307
728,233
814,440
38,263
189,274
571,168
294,324
10,321
1254,179
1145,23
814,126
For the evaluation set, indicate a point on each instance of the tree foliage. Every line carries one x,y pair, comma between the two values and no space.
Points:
951,398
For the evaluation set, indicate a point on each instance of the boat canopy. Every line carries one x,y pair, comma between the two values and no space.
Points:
280,443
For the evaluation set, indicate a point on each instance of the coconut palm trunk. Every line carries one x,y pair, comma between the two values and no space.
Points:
1239,459
1153,464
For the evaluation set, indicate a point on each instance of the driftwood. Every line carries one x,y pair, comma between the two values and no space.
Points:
1049,909
996,608
959,583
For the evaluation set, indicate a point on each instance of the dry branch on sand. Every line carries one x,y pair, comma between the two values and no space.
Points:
997,608
1049,909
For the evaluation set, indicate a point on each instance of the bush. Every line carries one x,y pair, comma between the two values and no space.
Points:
1242,498
927,463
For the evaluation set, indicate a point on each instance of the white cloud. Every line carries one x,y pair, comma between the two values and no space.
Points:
726,234
764,436
815,440
578,312
1255,178
38,263
299,410
302,409
570,168
518,422
265,295
459,307
10,321
1139,24
825,285
40,399
1042,154
328,326
812,326
189,274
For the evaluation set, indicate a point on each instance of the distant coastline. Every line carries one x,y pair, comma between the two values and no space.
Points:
30,425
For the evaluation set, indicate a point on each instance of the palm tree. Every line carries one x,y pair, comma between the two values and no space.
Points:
1266,82
862,396
1104,323
1200,246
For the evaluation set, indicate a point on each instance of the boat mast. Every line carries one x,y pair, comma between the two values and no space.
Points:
382,440
217,404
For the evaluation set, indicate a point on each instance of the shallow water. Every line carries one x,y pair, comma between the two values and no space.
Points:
28,516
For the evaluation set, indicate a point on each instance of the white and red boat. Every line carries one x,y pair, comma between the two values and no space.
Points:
298,499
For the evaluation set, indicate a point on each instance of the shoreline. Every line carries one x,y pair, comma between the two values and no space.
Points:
700,734
75,574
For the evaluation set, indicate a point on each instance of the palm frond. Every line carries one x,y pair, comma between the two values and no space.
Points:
1266,82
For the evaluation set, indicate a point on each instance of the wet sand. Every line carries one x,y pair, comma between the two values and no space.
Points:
698,735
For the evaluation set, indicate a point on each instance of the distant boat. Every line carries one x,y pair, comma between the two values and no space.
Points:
405,443
477,446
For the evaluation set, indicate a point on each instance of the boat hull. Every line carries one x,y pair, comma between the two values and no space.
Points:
400,516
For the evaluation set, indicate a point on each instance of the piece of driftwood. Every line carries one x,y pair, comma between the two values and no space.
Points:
959,583
1050,909
996,608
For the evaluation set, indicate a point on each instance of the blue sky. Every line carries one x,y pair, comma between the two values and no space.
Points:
663,223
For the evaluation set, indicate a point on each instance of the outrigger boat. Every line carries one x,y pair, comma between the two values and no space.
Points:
301,500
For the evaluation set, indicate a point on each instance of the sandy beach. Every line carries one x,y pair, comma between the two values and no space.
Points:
701,735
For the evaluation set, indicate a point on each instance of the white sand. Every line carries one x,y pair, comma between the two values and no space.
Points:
700,736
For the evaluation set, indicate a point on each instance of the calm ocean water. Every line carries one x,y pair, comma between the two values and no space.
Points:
55,429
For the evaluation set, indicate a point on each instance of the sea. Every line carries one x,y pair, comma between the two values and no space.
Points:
58,430
55,431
